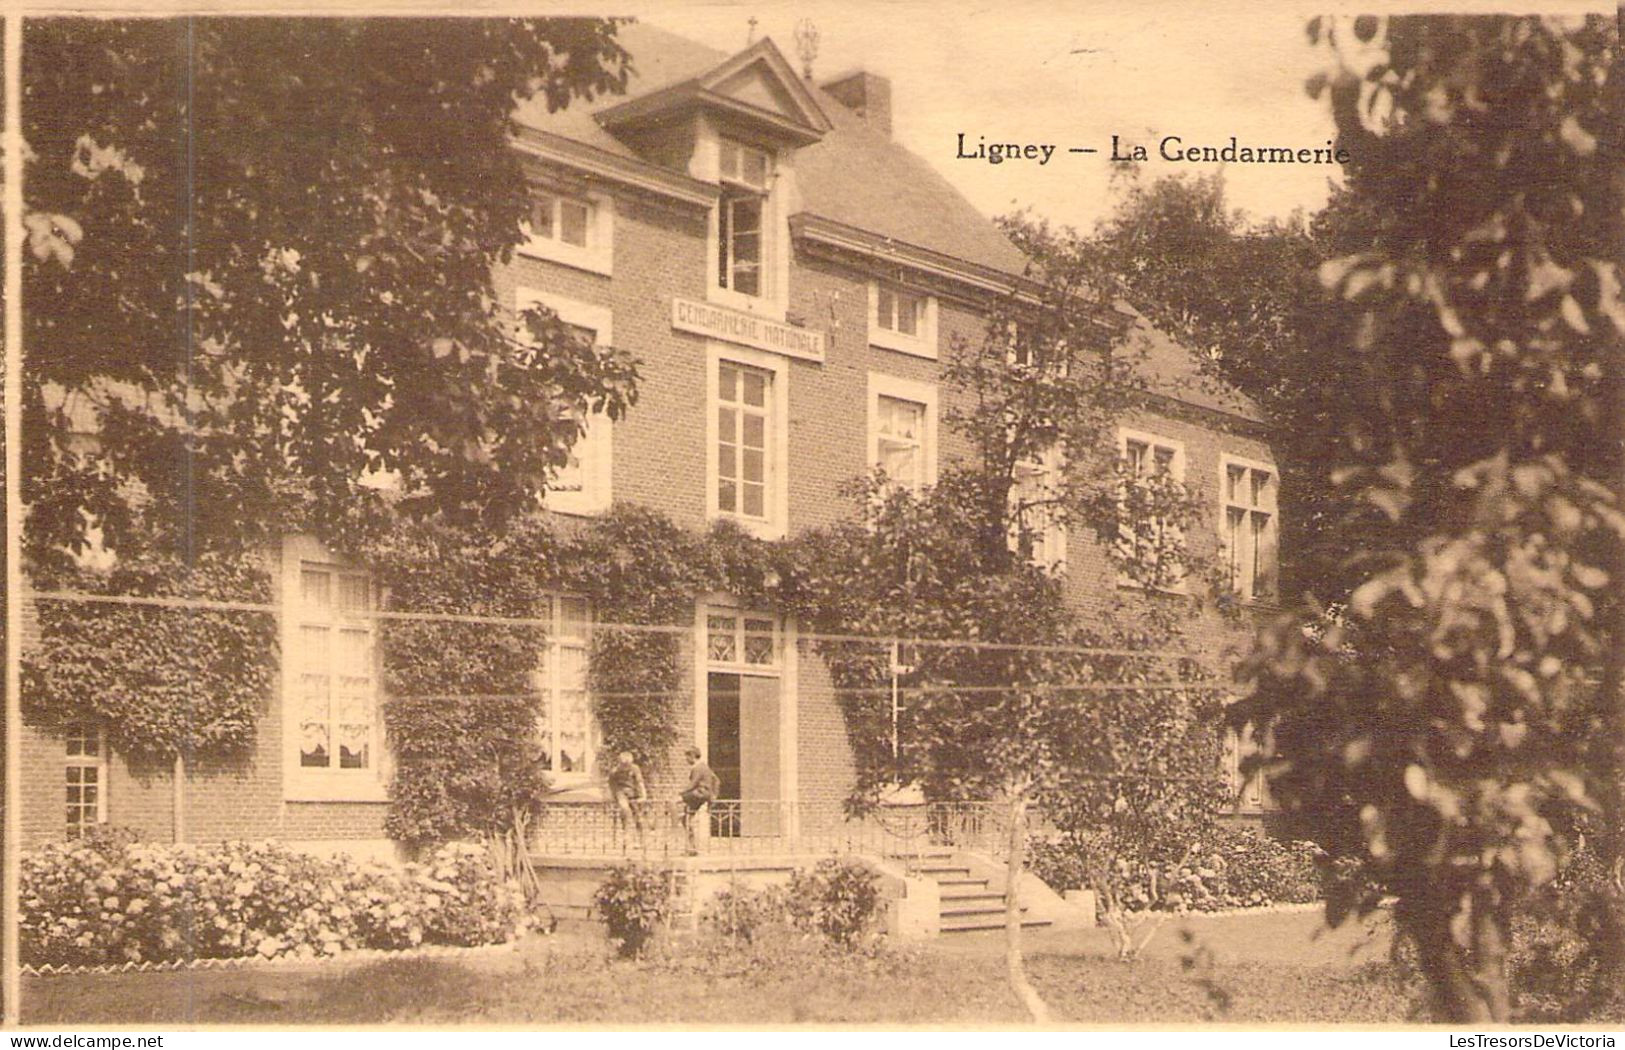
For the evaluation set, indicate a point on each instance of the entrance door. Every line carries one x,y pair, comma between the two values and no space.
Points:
743,737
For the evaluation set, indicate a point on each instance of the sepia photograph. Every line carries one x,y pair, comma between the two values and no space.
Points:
772,515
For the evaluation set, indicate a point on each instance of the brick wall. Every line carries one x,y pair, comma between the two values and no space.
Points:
659,459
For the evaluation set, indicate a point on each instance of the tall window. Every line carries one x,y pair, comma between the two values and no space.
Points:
582,484
743,426
1145,539
1249,527
564,723
903,430
741,213
900,440
1036,532
87,779
337,700
573,476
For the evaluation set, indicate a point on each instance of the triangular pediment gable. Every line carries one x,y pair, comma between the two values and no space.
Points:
755,88
760,77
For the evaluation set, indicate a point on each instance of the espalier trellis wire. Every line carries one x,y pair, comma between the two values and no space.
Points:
169,658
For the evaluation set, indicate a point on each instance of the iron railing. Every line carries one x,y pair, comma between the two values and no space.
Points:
655,830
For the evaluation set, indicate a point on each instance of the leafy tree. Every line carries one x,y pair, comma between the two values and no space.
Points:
1006,697
1244,296
261,271
1463,711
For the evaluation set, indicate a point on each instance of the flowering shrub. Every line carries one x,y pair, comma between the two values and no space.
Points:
634,901
839,898
1230,868
102,901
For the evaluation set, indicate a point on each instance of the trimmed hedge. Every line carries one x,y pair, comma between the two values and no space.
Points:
1234,868
106,901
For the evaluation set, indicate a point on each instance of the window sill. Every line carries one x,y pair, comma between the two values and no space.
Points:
914,346
334,787
755,305
1129,585
568,255
575,504
762,530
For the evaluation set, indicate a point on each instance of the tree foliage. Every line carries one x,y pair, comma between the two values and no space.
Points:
1455,719
261,272
1004,694
163,680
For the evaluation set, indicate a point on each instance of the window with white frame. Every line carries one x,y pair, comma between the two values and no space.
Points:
1027,349
743,219
735,637
744,434
582,484
903,430
903,319
1036,530
570,229
1249,527
86,757
336,725
1152,465
564,724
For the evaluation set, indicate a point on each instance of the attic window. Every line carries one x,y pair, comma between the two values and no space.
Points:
902,319
573,230
560,218
744,165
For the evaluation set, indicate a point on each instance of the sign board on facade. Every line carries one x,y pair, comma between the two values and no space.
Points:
718,322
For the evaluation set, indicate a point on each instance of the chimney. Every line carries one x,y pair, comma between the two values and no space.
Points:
867,95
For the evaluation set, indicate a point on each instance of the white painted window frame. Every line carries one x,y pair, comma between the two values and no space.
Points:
1052,556
882,385
776,494
1226,461
306,784
97,762
706,164
924,342
1177,469
599,254
596,447
554,688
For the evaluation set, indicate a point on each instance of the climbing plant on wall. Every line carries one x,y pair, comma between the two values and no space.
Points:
462,707
159,680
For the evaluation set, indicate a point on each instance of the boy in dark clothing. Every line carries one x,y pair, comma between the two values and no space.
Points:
703,786
626,787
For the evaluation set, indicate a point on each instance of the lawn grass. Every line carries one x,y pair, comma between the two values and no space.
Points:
1222,971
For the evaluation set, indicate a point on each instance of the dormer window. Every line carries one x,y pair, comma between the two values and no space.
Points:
745,166
741,230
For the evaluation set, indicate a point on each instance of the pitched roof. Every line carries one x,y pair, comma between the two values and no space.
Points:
1171,370
860,178
855,176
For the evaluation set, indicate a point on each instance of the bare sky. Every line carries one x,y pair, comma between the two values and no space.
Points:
1069,73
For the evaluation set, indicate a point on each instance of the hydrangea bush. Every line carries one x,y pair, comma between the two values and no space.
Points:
1231,868
98,902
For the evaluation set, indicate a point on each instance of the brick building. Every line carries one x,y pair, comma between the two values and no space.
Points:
790,278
